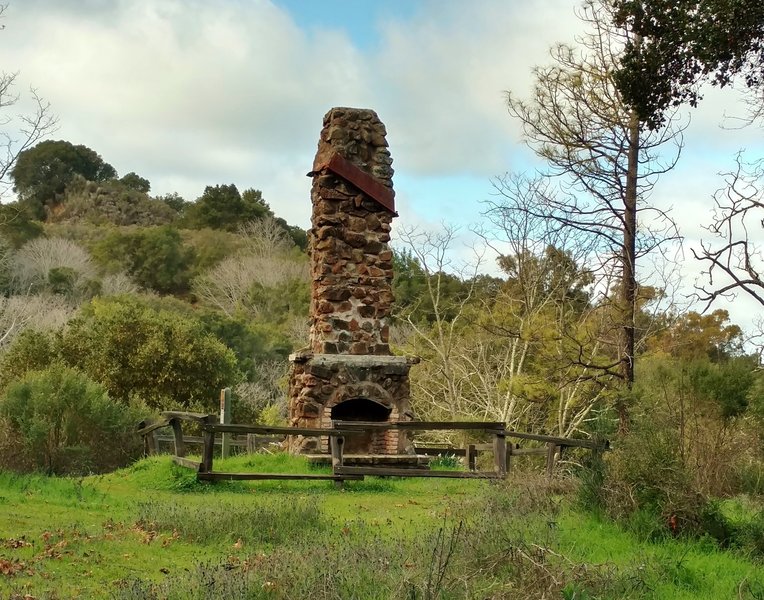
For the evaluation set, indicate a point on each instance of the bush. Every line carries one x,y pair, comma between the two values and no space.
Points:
156,355
61,422
31,350
648,483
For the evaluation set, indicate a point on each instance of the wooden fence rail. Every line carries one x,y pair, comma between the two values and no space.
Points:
502,452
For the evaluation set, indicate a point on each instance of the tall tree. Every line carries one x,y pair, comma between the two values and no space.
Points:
682,43
24,131
42,173
603,158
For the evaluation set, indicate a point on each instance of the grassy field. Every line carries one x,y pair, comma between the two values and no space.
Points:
152,531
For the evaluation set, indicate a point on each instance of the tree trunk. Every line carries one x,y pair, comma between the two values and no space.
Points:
629,283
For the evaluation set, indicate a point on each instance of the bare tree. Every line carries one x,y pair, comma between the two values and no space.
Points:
737,264
32,264
265,238
265,260
19,132
41,312
228,285
433,251
545,313
118,283
605,162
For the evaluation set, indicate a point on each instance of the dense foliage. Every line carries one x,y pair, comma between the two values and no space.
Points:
42,173
59,421
679,43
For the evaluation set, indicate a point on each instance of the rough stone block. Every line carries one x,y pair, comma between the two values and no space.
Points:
367,312
359,348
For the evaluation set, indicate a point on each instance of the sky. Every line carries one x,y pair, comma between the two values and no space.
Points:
190,93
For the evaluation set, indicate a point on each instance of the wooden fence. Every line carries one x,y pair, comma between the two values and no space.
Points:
502,452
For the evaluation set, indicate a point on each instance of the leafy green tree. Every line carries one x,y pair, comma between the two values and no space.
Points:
677,44
135,182
158,260
155,257
694,335
42,173
158,356
175,201
66,424
725,384
223,207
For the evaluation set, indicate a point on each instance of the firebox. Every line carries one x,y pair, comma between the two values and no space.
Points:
348,372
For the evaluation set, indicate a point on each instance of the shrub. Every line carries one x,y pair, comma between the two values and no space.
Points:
157,355
155,257
64,423
648,481
31,350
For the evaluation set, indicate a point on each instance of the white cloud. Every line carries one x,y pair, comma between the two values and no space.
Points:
194,93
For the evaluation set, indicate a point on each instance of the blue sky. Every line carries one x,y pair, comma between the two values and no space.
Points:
360,19
190,93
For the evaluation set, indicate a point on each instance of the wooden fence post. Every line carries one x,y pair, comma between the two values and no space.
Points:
470,457
551,451
177,431
336,445
510,450
500,454
207,450
251,443
225,419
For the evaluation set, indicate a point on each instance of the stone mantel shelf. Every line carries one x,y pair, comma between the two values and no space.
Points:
354,360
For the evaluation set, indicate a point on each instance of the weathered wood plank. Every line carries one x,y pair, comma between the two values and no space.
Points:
421,425
188,416
197,439
225,418
435,451
393,472
336,446
144,428
268,430
185,462
559,441
470,455
213,476
529,451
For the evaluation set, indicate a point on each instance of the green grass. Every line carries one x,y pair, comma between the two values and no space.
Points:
153,531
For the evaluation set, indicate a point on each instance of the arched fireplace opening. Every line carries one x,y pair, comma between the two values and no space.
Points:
362,409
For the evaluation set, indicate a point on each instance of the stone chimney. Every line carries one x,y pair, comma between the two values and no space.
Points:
348,372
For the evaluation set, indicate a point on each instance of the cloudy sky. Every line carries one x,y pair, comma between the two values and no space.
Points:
189,93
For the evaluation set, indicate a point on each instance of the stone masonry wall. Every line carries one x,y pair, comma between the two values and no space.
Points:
351,262
321,382
348,369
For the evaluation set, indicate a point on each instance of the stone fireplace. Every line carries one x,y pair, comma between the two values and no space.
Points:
348,373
